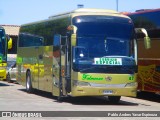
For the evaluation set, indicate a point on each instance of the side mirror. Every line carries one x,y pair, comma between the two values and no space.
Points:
72,28
10,43
147,42
73,39
73,36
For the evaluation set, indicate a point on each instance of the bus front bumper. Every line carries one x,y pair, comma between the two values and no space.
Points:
104,91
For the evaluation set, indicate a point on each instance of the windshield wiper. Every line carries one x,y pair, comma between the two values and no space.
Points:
113,56
87,69
97,66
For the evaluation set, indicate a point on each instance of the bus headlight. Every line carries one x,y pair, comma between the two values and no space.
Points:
80,83
132,84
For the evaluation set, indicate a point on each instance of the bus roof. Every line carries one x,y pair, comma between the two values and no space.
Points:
141,11
78,11
89,10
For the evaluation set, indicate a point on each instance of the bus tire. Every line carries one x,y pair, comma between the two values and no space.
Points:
28,82
114,99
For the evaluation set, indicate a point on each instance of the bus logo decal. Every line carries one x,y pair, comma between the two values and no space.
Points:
90,77
108,78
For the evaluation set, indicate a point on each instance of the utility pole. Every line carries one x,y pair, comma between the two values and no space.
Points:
117,4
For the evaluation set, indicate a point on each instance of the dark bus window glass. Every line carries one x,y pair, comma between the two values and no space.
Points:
2,42
28,40
104,36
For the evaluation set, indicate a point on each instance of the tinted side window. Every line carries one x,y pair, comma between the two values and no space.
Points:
28,40
20,41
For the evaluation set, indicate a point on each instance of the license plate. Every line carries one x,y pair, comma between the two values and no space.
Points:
107,92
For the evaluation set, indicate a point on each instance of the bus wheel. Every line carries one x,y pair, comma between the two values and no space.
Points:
114,99
28,82
60,99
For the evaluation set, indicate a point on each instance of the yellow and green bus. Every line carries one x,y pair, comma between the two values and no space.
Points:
85,52
5,44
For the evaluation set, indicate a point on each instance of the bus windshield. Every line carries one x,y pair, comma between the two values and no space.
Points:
2,43
102,36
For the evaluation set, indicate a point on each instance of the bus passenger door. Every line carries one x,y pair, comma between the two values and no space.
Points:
63,65
59,80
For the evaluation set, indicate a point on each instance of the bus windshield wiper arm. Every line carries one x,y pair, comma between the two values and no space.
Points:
98,67
88,68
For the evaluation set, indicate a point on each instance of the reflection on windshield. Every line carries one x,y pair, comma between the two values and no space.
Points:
105,35
100,46
80,52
